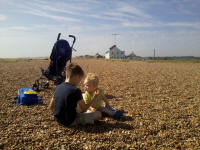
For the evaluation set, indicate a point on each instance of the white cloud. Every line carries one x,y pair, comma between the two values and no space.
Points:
10,29
97,16
93,1
39,28
54,17
132,10
41,8
137,24
19,28
2,17
46,7
162,24
60,7
184,24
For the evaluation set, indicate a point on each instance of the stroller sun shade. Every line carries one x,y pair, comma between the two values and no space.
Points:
61,53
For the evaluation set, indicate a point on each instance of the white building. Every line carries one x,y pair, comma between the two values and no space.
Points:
115,53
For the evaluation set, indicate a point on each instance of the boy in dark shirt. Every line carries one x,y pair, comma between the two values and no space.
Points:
68,103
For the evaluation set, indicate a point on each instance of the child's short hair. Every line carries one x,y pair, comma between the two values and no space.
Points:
92,77
73,69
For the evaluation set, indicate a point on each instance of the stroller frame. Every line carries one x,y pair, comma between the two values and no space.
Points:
59,75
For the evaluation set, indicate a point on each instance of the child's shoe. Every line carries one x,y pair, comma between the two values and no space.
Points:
118,114
111,109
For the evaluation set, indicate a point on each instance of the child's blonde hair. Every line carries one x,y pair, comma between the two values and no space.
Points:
92,77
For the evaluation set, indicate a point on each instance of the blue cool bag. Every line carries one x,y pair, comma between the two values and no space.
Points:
26,96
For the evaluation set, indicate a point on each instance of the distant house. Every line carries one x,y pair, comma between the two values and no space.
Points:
115,53
98,55
133,56
88,56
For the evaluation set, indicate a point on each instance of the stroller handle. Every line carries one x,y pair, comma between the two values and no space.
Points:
58,36
74,38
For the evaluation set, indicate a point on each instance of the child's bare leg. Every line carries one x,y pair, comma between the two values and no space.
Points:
50,106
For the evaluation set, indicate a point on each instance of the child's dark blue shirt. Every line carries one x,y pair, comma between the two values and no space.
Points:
66,97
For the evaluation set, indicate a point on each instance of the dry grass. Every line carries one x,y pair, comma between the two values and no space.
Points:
162,101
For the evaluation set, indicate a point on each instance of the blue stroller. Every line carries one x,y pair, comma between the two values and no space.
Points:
60,55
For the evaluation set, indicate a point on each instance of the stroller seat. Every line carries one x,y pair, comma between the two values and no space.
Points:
60,55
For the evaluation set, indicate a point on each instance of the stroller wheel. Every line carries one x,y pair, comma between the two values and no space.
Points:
41,83
58,80
35,87
45,84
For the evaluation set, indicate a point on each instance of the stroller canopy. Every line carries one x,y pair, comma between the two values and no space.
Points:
61,53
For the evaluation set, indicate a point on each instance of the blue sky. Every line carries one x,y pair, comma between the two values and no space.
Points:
29,28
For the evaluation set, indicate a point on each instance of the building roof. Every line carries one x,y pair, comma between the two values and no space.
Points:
98,55
132,55
113,47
